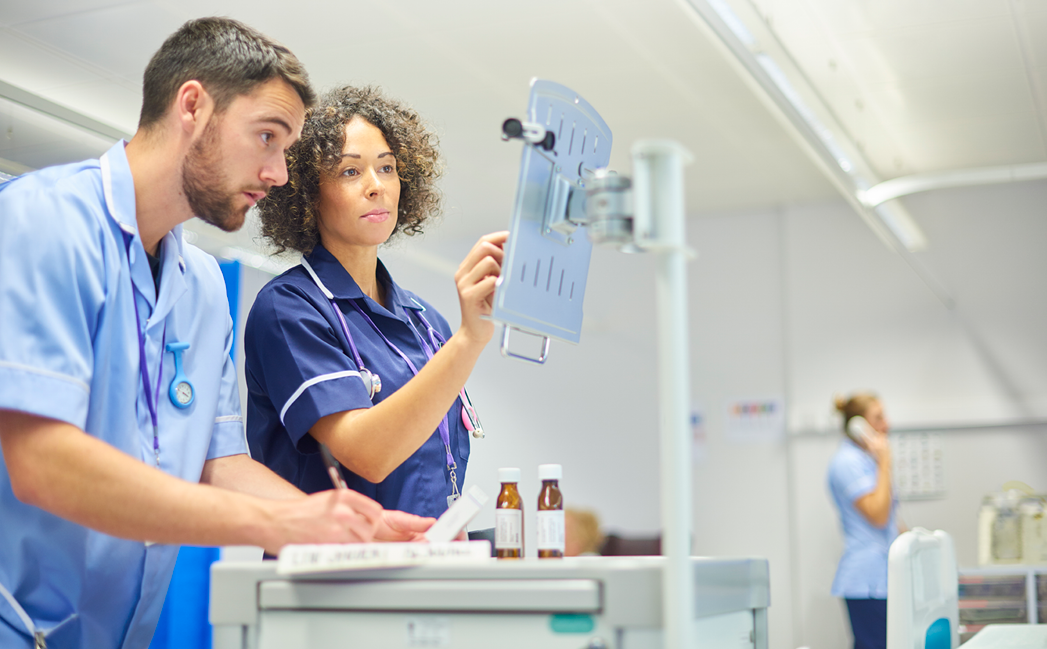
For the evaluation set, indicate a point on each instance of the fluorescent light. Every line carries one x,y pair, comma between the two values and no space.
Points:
823,133
733,22
786,91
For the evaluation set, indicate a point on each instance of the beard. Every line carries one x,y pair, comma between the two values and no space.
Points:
204,182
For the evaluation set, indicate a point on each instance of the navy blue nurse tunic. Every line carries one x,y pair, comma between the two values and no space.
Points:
300,368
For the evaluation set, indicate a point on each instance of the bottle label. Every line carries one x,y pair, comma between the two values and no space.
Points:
508,529
550,530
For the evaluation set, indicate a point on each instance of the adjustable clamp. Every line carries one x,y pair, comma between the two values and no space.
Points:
536,134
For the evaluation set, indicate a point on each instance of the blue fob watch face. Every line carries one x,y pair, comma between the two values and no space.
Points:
183,393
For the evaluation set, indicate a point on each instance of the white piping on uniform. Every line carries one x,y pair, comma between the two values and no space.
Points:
26,620
316,278
310,383
47,373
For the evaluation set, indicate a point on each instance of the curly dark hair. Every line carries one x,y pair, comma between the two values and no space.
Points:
289,212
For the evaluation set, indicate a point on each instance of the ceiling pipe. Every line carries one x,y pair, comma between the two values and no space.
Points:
906,185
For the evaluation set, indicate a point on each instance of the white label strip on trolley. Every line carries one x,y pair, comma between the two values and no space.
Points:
333,557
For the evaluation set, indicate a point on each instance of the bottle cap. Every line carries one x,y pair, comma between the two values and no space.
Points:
508,475
550,472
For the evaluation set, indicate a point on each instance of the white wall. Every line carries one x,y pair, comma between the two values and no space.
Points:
858,318
799,302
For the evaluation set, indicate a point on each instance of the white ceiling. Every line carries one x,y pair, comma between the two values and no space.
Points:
920,85
926,85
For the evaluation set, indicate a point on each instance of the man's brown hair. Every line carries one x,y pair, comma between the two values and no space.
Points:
227,57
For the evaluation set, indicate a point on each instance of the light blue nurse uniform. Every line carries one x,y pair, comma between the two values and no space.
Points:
862,573
69,351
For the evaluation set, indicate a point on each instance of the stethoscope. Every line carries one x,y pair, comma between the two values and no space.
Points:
181,391
373,383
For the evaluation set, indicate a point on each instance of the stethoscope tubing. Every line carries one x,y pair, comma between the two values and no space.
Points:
469,417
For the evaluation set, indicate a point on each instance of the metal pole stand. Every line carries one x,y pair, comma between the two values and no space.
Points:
658,226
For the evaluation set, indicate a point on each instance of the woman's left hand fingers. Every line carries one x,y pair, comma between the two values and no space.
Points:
487,267
481,294
489,245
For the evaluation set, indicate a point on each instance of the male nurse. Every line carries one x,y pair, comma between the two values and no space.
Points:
108,463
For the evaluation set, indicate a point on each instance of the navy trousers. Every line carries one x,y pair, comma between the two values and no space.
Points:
868,622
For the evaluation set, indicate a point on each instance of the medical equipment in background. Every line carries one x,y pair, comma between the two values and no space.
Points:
923,610
573,603
1012,527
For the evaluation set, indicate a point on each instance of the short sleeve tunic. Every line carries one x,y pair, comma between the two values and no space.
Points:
862,572
301,368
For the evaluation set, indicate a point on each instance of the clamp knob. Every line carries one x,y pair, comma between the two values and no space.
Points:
536,134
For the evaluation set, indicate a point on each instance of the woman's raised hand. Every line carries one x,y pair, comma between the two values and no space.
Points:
476,279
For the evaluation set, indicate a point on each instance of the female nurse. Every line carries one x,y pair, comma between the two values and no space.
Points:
860,482
337,353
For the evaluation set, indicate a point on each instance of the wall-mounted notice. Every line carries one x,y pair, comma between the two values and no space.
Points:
919,472
755,420
699,445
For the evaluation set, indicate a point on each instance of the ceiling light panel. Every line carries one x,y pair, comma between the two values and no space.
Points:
35,140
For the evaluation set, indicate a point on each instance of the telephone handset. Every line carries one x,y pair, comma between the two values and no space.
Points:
859,431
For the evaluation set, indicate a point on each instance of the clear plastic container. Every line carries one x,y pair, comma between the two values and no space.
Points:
1033,530
1012,529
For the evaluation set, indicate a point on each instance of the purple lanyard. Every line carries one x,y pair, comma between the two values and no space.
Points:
152,403
443,428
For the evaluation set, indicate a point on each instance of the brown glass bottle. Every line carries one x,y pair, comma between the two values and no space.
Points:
508,517
550,512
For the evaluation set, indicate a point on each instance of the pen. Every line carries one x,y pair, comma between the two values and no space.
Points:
332,468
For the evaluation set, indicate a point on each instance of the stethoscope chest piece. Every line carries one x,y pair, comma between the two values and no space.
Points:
181,391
